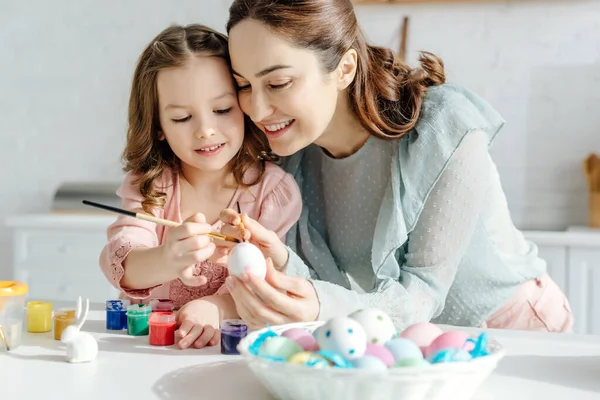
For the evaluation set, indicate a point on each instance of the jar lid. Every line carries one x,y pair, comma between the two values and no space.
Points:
39,306
234,327
139,309
12,288
117,305
65,313
161,317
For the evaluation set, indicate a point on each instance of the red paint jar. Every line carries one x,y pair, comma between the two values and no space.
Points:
162,328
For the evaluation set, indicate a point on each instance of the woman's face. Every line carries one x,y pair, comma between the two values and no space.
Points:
283,89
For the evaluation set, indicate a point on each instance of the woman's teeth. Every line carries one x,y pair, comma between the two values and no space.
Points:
211,148
276,127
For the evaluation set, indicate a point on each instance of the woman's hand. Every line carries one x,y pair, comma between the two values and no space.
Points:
266,240
279,299
187,245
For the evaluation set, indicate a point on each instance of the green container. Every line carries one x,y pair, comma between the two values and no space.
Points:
137,319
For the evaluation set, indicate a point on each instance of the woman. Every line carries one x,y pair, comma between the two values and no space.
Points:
403,208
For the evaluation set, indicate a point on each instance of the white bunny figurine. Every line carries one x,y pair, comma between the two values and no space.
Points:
81,346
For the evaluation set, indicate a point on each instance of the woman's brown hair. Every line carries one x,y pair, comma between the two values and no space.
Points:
144,153
386,94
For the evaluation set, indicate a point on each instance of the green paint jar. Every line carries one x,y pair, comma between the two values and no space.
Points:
137,319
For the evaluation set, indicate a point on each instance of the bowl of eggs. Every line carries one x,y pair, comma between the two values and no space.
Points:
363,356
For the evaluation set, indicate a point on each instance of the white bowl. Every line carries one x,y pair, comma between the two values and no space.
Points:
449,381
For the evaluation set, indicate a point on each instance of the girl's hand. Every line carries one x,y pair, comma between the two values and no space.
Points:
187,245
279,299
198,323
266,240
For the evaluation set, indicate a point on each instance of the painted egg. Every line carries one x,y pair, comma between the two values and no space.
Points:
449,355
278,347
422,333
309,359
380,352
247,257
448,340
402,348
411,362
377,324
343,336
304,338
369,362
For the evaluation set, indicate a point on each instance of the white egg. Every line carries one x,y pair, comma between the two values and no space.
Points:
246,256
344,336
377,325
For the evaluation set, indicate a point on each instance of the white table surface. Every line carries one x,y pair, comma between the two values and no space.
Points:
537,366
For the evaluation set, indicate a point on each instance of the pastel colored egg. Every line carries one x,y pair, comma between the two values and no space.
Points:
344,336
411,362
380,352
304,338
448,340
402,348
449,355
370,363
279,347
309,359
246,256
377,325
422,333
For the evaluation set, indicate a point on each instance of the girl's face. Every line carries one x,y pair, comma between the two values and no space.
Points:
283,89
199,113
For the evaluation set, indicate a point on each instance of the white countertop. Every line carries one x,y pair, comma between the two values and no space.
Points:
537,366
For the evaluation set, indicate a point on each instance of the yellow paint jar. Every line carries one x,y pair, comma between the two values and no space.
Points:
39,316
62,319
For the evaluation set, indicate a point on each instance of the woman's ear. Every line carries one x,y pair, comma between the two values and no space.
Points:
346,69
161,135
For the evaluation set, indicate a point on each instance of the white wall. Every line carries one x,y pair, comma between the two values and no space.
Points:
65,70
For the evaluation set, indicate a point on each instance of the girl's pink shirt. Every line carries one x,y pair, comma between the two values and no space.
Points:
275,203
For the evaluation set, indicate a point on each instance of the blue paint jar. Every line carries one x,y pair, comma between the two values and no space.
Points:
116,314
232,332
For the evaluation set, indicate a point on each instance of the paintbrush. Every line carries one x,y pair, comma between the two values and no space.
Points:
3,338
156,220
241,224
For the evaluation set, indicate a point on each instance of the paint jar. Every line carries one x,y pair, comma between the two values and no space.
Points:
162,305
232,332
162,328
63,318
12,304
137,319
116,314
39,316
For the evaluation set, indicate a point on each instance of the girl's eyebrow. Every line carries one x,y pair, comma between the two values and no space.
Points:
226,94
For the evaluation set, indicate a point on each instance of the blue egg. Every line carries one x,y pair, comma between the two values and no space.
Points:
449,355
370,363
402,348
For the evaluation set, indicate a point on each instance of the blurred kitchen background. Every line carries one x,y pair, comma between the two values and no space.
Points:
65,71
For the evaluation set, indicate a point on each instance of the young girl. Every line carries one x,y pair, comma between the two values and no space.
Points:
187,157
404,209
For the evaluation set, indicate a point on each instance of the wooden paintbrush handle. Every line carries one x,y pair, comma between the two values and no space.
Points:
156,220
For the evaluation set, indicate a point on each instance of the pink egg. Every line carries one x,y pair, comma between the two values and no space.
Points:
448,340
381,352
422,333
304,338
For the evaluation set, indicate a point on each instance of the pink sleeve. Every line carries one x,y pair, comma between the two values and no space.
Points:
281,207
126,234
